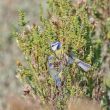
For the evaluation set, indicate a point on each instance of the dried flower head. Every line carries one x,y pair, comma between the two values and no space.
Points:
56,21
26,89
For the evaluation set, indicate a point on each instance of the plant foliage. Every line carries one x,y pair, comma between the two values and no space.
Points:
75,26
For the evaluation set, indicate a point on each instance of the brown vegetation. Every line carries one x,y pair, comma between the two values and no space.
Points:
17,103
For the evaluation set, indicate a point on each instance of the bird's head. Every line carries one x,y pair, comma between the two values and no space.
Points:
55,46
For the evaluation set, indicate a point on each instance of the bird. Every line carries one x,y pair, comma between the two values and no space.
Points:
59,60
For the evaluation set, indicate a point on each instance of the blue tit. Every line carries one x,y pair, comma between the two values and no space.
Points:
59,60
57,48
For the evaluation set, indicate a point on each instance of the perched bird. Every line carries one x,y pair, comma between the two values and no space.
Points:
60,60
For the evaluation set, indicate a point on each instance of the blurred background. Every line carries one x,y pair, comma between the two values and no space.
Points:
9,52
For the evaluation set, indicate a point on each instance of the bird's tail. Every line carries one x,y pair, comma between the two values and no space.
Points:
84,65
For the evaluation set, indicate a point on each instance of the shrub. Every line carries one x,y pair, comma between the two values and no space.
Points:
76,28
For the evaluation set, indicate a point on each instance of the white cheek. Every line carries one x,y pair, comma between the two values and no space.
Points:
54,48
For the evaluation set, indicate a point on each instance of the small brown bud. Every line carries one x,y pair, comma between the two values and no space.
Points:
55,21
92,20
26,89
18,63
